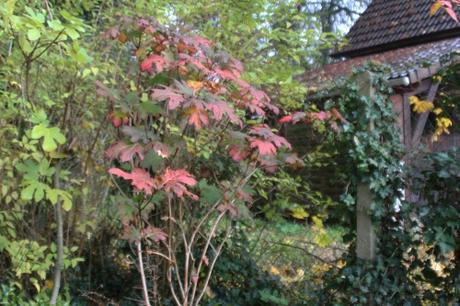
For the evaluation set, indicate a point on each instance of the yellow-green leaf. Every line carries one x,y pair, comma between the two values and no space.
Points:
299,213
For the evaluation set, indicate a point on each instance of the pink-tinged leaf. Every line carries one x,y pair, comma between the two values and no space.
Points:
263,146
205,260
279,142
193,61
337,115
195,278
153,233
243,85
238,154
197,41
256,110
226,74
294,161
274,109
230,208
268,136
124,151
285,119
219,108
197,117
111,33
142,23
175,181
161,149
452,13
140,179
244,196
269,165
153,59
320,116
174,99
298,116
294,118
238,66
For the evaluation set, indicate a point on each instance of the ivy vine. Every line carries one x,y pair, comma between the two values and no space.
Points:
377,155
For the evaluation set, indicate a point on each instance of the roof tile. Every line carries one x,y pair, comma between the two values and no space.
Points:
389,21
399,60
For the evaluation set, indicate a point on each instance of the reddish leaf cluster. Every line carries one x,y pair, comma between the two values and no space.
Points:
124,152
172,181
266,142
176,181
191,86
448,5
140,179
332,117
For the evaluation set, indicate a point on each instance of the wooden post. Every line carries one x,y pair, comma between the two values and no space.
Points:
366,239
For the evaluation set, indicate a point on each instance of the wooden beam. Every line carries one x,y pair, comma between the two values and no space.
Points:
407,122
422,119
365,231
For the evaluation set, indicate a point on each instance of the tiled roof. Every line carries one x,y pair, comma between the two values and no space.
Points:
389,24
408,61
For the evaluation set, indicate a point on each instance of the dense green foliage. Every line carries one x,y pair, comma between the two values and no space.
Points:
418,235
193,191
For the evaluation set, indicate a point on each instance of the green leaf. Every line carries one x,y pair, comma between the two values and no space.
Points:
74,35
54,195
51,136
209,194
152,160
56,25
66,201
33,34
151,108
34,190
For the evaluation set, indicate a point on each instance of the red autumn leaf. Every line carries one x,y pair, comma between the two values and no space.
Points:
448,7
124,152
268,164
285,119
140,179
255,109
264,147
187,59
452,13
197,117
118,118
337,115
320,116
174,99
237,153
197,41
226,74
116,122
237,67
219,108
266,133
176,181
154,233
153,59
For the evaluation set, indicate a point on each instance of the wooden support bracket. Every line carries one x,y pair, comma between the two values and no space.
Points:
422,119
